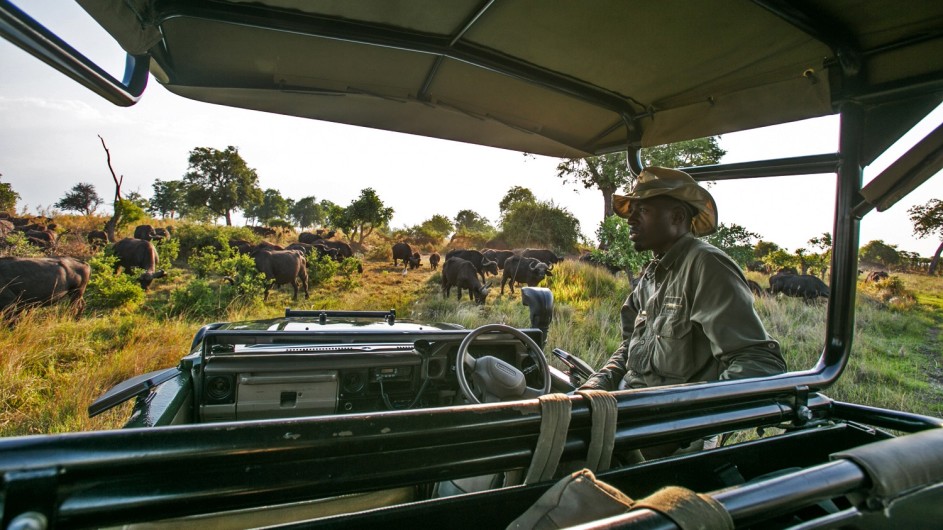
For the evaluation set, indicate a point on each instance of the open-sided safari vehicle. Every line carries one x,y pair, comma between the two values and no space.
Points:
290,421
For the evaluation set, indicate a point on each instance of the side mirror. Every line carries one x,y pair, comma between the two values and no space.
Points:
540,302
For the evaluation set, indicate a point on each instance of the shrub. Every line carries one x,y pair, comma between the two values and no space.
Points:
321,269
168,250
110,290
199,299
16,244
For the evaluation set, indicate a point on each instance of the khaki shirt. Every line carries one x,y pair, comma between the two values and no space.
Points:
691,318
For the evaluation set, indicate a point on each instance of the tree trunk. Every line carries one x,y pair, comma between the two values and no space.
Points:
228,217
936,260
607,201
112,223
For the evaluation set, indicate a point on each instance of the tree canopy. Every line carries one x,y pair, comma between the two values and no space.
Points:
471,221
540,224
699,152
616,249
306,212
8,197
221,181
362,216
517,194
170,198
270,207
734,240
928,220
607,173
81,198
880,252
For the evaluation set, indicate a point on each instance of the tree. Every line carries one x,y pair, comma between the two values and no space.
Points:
778,259
763,248
8,197
928,220
128,212
616,249
735,240
823,259
170,198
438,223
607,172
541,224
306,212
880,252
516,194
431,231
700,152
221,181
471,221
82,198
139,200
271,207
363,216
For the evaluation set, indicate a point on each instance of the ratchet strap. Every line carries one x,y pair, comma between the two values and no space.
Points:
603,431
554,422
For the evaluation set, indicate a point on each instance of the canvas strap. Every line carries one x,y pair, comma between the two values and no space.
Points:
554,422
603,433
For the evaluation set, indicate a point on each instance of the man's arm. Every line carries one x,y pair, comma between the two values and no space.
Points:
610,375
723,307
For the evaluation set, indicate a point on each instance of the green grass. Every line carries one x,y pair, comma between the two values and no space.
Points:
52,366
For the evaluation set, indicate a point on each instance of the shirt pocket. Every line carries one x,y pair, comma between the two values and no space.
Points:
673,356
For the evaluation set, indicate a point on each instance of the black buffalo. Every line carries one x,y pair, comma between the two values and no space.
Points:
97,238
542,254
145,232
135,253
281,267
524,270
461,274
26,282
434,259
309,238
241,246
343,249
591,258
402,252
799,285
481,263
876,276
498,256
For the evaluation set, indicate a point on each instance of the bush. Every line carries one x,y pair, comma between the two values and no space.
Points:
198,299
110,290
197,236
321,269
168,250
16,245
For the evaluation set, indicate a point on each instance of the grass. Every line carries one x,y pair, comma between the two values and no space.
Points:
52,366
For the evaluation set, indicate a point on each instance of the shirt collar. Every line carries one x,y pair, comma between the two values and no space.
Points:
680,248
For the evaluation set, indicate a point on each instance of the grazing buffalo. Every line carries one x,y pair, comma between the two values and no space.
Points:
241,246
481,263
542,254
304,248
281,267
164,233
324,250
145,232
756,288
590,258
461,274
137,253
97,238
41,238
524,270
309,238
402,251
876,276
265,245
434,259
343,249
799,285
415,261
263,231
497,256
26,282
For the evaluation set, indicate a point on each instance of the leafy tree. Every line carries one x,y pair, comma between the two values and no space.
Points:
763,248
170,198
471,221
735,240
607,172
8,197
270,207
128,212
306,212
823,259
439,223
430,232
779,259
81,198
616,249
363,216
700,152
928,220
540,224
141,201
880,252
220,181
517,194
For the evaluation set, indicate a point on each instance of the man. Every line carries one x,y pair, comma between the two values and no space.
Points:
691,317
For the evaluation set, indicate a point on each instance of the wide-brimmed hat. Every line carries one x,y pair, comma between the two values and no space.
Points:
654,181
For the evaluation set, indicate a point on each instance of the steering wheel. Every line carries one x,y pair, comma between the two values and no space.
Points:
498,380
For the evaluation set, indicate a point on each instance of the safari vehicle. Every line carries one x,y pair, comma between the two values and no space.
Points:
561,79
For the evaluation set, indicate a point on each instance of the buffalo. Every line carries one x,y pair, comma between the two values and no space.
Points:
304,248
135,253
591,258
97,238
876,276
799,285
481,263
460,273
498,256
165,232
145,232
402,252
542,254
309,238
241,246
524,270
434,259
28,282
281,267
343,249
755,288
415,261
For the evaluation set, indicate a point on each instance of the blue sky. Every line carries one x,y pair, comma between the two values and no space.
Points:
50,127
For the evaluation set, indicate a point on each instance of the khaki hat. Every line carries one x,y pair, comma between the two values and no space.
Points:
654,181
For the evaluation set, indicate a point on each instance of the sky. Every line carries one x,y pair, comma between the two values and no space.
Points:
49,128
